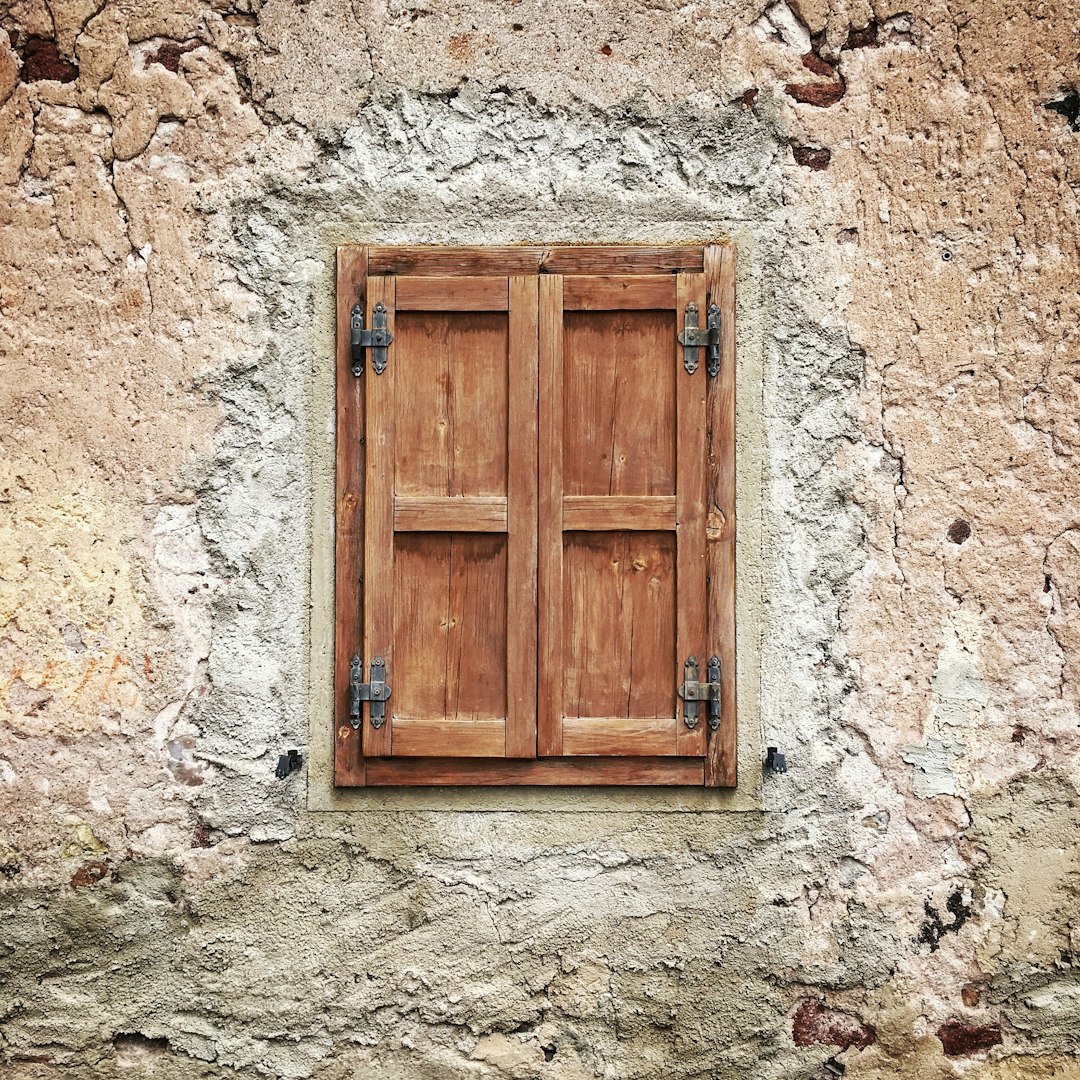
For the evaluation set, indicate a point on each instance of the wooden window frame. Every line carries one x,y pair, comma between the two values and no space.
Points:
354,265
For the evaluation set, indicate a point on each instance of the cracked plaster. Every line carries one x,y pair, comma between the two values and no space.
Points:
907,345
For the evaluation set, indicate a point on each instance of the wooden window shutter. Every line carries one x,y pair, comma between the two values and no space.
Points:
535,517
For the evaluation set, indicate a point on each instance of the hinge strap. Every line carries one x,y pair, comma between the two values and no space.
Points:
693,337
692,692
377,692
376,339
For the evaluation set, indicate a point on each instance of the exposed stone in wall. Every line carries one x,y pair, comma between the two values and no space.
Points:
901,186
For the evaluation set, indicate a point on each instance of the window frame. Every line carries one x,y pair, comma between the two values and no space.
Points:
717,769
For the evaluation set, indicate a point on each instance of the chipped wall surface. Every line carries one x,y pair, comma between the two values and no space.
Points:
901,185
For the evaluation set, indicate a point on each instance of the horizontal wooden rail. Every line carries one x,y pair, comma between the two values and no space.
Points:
604,735
631,259
641,291
439,513
452,294
448,738
488,772
609,513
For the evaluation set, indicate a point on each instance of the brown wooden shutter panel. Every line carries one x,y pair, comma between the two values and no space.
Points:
622,518
536,500
450,537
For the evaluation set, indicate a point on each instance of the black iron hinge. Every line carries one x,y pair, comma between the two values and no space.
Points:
376,339
377,692
693,337
693,692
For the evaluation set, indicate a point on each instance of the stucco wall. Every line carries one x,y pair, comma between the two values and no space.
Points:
903,902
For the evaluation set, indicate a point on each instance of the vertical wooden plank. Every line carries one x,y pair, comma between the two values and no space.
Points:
691,595
450,641
550,682
379,515
619,626
349,768
450,434
619,403
522,504
721,764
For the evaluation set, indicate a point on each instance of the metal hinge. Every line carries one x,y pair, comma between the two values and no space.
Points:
693,337
376,339
377,691
693,691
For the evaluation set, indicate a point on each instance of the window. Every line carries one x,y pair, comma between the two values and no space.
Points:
535,534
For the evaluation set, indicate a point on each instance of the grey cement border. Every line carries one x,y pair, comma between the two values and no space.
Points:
750,577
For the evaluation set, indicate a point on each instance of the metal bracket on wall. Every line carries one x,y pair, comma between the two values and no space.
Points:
376,339
377,692
693,337
693,692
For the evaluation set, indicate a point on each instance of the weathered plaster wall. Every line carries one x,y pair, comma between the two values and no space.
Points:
904,902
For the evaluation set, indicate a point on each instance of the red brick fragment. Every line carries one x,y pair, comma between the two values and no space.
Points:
866,38
812,62
169,53
821,95
959,1040
814,158
90,874
813,1023
42,62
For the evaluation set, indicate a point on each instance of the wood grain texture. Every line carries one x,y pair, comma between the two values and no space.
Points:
348,517
619,622
449,738
628,259
493,772
721,763
625,259
619,512
618,395
522,507
379,514
622,293
550,554
449,628
451,402
434,513
692,591
612,736
451,294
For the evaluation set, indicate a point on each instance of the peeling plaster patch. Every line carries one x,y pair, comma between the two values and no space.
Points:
960,696
934,763
780,21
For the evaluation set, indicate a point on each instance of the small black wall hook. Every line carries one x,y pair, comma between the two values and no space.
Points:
775,761
288,763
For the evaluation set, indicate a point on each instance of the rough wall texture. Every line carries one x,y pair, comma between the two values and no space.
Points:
902,186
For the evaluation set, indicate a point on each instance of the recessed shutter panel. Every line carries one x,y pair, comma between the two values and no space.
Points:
450,517
622,526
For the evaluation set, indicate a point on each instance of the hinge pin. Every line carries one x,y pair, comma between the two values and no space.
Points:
376,339
693,337
692,691
376,692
